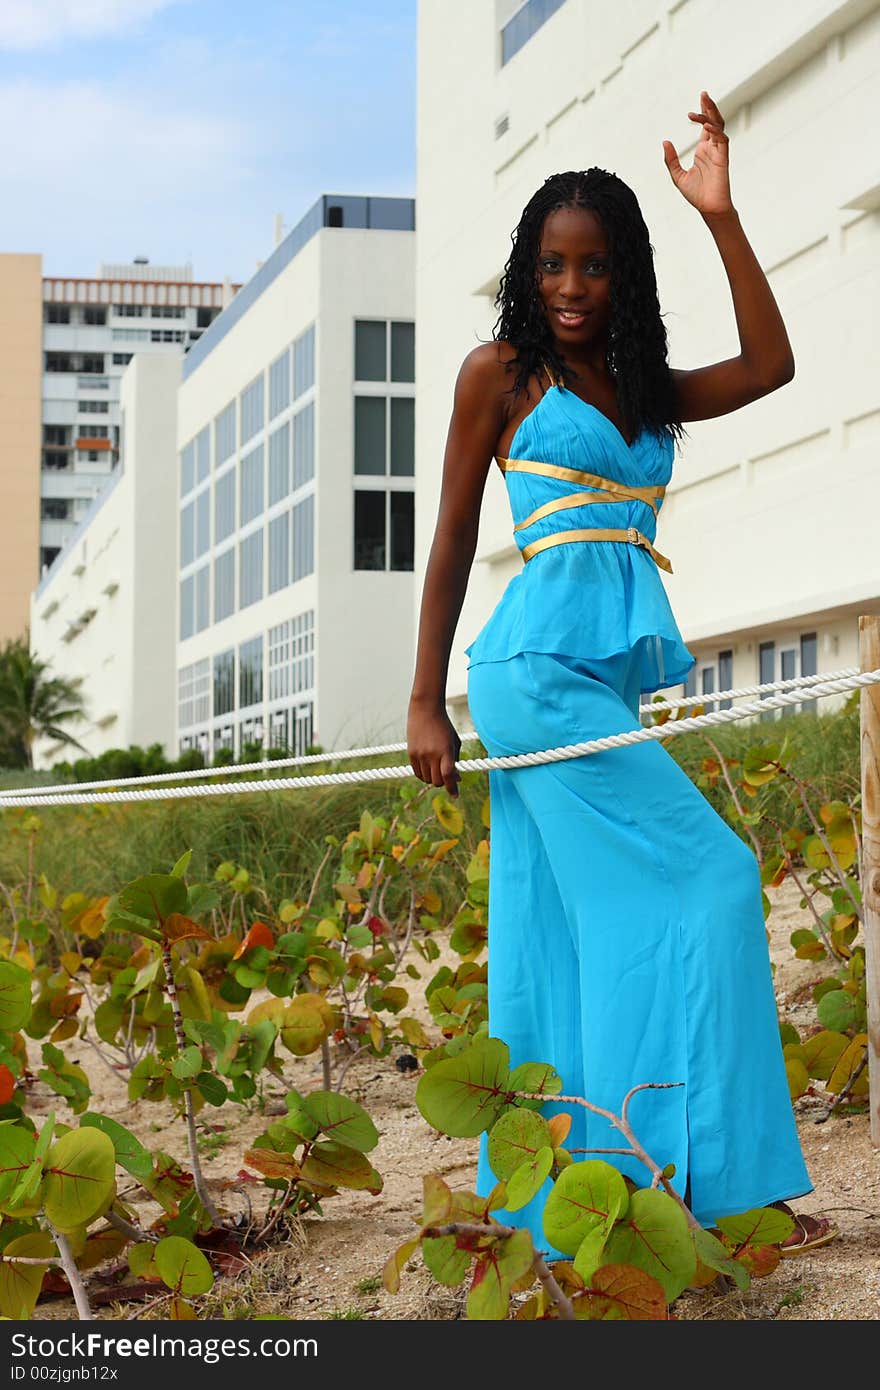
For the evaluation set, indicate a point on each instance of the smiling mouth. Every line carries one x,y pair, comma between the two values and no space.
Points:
572,318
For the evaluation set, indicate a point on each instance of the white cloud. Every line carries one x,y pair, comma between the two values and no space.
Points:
26,24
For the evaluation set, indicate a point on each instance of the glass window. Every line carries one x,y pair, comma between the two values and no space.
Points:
279,661
250,561
187,534
187,469
304,445
369,530
279,552
224,506
766,670
725,676
402,531
369,434
203,521
526,21
224,585
279,464
403,352
370,355
252,409
203,598
250,672
690,685
279,384
203,454
186,608
809,654
224,435
251,485
302,651
403,436
304,537
304,362
224,682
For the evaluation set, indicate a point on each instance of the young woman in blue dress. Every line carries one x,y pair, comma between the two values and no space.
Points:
581,846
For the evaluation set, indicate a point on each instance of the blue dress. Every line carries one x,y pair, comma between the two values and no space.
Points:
626,931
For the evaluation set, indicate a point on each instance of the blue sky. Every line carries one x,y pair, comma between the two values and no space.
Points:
176,129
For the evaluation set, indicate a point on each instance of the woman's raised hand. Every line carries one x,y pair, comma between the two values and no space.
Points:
706,185
433,746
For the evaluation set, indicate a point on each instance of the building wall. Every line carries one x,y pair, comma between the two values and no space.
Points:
103,614
361,621
770,515
20,366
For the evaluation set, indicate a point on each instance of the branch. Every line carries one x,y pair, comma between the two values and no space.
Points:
542,1270
759,854
74,1278
842,1095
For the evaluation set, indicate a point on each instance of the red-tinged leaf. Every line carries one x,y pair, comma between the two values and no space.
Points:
395,1263
258,935
273,1164
759,1260
7,1085
241,1177
64,1005
376,926
180,928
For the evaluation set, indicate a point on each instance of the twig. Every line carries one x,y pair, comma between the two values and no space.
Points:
842,1095
756,843
340,1075
74,1278
127,1229
542,1270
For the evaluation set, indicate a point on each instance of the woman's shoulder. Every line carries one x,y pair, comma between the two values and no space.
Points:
490,368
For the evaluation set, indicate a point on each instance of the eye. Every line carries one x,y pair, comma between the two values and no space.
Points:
597,267
549,264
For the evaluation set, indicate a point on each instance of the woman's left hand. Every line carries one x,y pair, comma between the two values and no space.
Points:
706,185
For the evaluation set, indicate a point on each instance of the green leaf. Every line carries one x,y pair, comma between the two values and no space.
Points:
182,1266
655,1237
130,1152
536,1078
837,1010
528,1179
212,1088
760,1226
465,1094
489,1296
342,1119
182,864
15,996
188,1064
16,1155
515,1139
821,1053
80,1178
590,1252
711,1252
154,897
335,1165
20,1284
585,1195
141,1260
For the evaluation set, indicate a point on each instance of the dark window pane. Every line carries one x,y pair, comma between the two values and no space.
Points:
369,351
224,682
767,671
369,435
725,676
402,530
369,530
403,436
403,352
809,654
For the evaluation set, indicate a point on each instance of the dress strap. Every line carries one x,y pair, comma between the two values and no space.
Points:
554,380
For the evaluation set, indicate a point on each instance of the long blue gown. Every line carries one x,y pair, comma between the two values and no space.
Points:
626,933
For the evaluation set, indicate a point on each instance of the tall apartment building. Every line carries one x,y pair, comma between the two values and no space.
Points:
68,341
296,493
103,614
770,518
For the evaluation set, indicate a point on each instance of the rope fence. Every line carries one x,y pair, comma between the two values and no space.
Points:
788,692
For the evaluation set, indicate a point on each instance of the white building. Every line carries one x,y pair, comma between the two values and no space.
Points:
771,517
295,429
103,614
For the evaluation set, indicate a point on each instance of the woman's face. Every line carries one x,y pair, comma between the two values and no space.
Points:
574,277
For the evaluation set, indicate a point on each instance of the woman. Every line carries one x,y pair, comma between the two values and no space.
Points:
626,933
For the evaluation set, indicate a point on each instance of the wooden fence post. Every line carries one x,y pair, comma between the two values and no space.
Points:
869,660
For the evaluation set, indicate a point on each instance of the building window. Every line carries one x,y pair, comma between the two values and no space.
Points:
224,506
304,537
187,611
187,534
224,435
224,683
224,585
526,22
376,342
279,384
250,569
194,693
48,555
205,317
402,436
56,313
384,436
304,362
56,434
54,462
203,521
809,654
250,673
403,351
767,671
203,598
252,409
292,656
304,445
54,508
203,454
384,530
94,316
120,359
279,464
93,407
251,490
279,553
725,676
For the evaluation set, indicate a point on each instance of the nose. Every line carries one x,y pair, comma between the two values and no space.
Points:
572,285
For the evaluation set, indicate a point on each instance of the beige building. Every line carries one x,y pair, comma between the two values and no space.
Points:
21,301
771,517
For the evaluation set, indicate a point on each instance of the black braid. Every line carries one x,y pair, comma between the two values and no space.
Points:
637,350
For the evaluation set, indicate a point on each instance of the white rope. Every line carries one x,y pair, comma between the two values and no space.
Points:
466,736
815,691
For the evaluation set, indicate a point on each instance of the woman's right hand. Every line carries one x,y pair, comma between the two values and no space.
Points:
433,745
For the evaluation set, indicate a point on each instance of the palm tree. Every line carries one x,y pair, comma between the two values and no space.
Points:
33,704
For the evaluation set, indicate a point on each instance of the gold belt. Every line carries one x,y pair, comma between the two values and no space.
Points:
608,490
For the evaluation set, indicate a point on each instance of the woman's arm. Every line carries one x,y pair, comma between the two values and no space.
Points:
765,360
478,417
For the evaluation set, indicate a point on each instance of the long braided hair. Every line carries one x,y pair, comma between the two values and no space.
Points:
636,353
